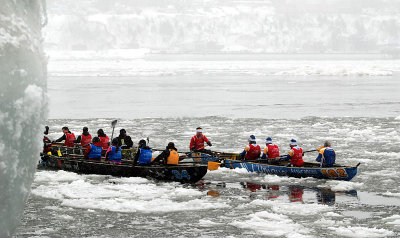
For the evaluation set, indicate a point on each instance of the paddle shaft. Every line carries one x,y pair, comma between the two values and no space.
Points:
113,123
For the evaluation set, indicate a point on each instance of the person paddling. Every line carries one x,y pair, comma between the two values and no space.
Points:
327,155
143,155
68,137
169,155
93,152
295,155
251,151
124,141
271,152
46,141
113,153
104,140
85,138
198,140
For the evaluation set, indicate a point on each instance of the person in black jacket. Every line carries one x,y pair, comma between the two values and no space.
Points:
124,141
165,154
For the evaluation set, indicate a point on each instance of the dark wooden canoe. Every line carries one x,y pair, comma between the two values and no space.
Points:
185,173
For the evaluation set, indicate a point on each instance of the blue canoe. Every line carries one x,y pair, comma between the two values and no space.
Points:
231,160
314,170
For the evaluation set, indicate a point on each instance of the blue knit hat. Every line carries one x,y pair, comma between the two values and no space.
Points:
268,140
252,138
293,142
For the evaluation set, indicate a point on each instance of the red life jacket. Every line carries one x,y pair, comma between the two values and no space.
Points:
253,153
104,142
69,139
273,151
85,140
297,158
198,143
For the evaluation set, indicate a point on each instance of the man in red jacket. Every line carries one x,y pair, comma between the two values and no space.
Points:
251,151
295,155
197,142
68,137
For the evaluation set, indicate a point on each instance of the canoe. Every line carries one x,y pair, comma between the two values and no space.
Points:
231,160
185,173
314,170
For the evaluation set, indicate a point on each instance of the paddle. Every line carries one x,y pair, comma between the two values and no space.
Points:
113,124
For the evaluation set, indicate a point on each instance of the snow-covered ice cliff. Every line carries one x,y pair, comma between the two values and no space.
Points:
22,104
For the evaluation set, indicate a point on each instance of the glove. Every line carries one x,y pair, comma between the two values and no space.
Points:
209,143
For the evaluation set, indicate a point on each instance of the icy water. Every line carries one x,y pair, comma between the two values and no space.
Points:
360,116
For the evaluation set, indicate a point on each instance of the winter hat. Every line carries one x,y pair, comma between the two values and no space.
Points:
252,138
293,142
268,140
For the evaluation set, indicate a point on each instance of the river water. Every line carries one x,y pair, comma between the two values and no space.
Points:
355,105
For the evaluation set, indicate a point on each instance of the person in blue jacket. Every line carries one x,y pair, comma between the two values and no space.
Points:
143,155
327,155
93,152
113,153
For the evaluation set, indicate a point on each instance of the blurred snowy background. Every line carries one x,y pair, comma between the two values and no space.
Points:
274,26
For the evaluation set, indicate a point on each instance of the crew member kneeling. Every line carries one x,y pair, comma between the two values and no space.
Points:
113,153
327,155
169,155
93,152
143,154
295,155
251,151
271,152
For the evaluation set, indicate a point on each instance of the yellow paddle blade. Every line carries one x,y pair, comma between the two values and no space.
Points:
213,165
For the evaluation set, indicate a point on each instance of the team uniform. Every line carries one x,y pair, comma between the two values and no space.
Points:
114,155
197,143
251,152
93,152
326,157
271,151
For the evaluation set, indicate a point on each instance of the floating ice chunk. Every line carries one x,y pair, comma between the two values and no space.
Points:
271,224
358,231
342,185
393,220
121,194
207,223
390,194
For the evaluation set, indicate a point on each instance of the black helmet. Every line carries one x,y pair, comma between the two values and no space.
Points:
114,141
142,143
95,139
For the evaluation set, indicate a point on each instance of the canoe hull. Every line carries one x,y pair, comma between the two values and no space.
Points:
335,173
188,173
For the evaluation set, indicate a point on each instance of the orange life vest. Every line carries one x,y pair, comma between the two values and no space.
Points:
173,157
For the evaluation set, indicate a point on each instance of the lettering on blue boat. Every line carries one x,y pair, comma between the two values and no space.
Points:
181,175
304,171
